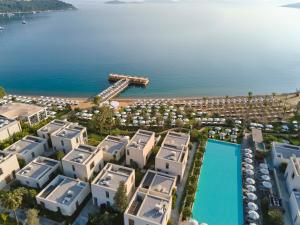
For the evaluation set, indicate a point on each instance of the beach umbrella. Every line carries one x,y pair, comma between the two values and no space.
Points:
253,215
249,167
248,151
267,184
251,196
250,172
252,206
193,222
235,129
248,155
264,171
250,181
263,165
251,188
266,177
247,160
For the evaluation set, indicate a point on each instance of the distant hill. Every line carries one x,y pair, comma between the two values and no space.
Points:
33,5
293,5
118,2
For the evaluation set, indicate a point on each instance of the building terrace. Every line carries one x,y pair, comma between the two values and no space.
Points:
28,148
8,127
281,152
111,176
152,202
51,127
113,147
38,172
63,194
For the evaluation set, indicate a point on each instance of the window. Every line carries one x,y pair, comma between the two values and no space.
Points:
167,166
32,154
130,221
293,175
107,194
92,165
77,140
1,171
127,152
73,167
62,142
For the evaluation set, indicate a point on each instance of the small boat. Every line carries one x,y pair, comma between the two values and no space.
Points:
1,28
24,22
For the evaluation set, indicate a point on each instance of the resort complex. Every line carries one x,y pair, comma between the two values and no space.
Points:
214,161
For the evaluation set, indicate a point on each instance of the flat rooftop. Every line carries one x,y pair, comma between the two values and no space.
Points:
54,126
158,182
38,168
15,110
297,196
81,154
63,190
68,133
140,139
173,146
286,150
112,144
4,122
26,144
153,208
257,135
4,156
111,176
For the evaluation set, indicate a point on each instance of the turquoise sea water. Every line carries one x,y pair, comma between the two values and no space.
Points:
219,195
203,48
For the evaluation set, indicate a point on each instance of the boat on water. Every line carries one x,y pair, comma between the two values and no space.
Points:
24,22
1,28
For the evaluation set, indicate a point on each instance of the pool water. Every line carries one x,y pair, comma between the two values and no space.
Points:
219,195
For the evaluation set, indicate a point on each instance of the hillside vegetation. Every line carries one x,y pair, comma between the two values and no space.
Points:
33,5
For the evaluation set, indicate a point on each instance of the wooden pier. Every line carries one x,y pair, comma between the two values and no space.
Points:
122,82
132,79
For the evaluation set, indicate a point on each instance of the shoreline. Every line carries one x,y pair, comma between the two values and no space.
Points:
85,102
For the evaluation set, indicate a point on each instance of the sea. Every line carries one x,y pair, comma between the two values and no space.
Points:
186,48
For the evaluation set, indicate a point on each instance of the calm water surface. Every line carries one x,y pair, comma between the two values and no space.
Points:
205,48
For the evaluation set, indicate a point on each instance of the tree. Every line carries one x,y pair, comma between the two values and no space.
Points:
97,100
104,119
275,217
11,201
32,217
59,155
2,92
120,198
4,218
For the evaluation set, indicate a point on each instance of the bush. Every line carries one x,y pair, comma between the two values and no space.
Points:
282,167
187,212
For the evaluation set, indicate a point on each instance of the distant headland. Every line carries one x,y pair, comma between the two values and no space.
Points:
25,6
293,5
117,2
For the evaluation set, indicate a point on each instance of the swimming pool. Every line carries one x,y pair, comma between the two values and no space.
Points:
219,196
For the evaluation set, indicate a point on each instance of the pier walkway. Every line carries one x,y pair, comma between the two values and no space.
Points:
122,82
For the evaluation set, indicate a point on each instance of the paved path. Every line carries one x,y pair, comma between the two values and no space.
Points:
175,216
83,217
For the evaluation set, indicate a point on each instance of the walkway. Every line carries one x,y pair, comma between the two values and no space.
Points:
175,216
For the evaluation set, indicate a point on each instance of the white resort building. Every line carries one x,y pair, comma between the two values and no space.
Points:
281,153
113,147
139,148
8,127
105,185
294,203
173,154
68,138
48,129
63,195
24,112
9,165
37,173
28,148
152,202
83,162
